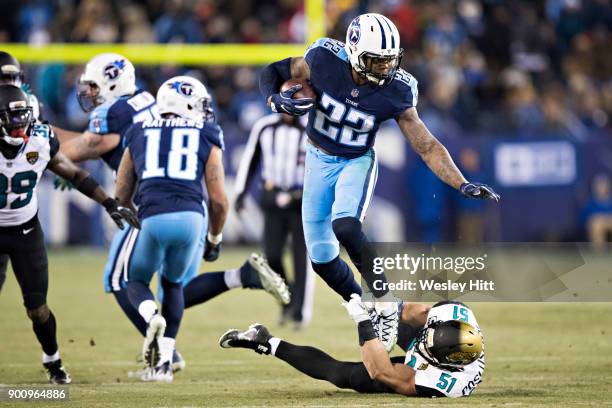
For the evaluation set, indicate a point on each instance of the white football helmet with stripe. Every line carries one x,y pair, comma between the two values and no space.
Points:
373,39
186,97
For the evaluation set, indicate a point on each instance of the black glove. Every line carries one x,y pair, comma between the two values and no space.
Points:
478,190
119,214
239,204
60,183
211,251
282,102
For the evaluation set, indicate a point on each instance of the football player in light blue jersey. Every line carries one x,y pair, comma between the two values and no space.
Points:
359,85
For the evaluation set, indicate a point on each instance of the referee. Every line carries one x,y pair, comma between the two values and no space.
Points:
278,143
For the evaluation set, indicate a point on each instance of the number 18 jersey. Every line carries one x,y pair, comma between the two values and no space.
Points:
169,157
346,116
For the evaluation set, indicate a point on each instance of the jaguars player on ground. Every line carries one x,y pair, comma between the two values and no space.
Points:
359,84
12,74
445,359
107,89
164,162
27,149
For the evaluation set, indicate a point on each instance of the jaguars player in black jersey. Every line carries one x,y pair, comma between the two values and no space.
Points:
359,84
27,149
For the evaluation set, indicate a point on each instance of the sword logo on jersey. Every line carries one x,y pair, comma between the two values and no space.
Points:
183,88
114,69
32,157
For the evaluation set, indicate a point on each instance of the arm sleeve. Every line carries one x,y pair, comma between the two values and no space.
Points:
249,162
214,134
273,76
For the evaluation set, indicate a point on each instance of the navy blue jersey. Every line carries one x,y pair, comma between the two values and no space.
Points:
117,117
347,116
169,158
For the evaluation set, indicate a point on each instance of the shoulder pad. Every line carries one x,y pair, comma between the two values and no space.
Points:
334,46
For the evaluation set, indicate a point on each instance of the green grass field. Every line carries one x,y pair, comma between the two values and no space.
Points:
537,354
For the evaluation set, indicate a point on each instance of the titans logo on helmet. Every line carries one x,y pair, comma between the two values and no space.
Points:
114,69
183,88
354,32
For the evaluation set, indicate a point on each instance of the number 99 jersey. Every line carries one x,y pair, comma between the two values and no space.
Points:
19,176
432,381
169,157
347,116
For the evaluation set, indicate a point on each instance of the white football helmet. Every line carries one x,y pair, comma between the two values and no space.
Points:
112,74
373,38
186,97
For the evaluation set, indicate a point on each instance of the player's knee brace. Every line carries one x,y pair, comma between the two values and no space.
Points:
39,315
348,232
338,276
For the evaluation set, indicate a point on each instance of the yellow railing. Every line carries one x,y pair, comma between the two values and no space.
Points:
184,54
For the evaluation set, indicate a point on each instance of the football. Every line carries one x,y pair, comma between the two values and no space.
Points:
306,92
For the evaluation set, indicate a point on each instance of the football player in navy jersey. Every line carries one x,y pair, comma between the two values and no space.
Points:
359,85
166,158
107,89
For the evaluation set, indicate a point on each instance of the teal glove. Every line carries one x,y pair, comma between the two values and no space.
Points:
62,184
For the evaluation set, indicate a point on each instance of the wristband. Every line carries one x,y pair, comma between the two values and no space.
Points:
87,186
366,331
215,239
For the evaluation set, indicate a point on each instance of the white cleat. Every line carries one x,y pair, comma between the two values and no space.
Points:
150,348
161,373
271,281
388,322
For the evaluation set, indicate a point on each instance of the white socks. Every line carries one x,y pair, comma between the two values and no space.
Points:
147,309
232,278
166,348
49,359
274,342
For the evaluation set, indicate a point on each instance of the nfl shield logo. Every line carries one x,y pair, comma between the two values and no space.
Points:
32,157
355,93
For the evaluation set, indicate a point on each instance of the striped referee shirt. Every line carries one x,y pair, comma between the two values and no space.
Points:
281,149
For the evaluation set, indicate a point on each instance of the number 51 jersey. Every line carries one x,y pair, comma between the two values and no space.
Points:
439,382
346,116
19,176
169,157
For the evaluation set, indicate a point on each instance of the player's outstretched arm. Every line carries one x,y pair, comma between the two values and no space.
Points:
437,157
82,180
86,145
374,355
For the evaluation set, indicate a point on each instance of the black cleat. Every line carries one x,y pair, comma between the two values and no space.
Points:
256,338
57,373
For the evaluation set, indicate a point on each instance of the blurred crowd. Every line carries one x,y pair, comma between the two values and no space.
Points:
534,67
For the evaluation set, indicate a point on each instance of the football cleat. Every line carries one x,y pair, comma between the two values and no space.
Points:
271,281
150,348
256,338
57,373
178,363
388,321
161,373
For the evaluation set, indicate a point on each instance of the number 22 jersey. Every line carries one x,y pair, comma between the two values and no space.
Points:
346,117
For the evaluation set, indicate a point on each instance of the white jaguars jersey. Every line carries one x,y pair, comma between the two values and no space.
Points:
19,177
449,383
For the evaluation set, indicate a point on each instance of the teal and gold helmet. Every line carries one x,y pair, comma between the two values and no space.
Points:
452,344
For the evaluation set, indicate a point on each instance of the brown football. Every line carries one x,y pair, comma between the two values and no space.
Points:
306,92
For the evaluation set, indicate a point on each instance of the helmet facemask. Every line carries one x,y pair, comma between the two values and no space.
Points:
368,61
88,95
15,123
